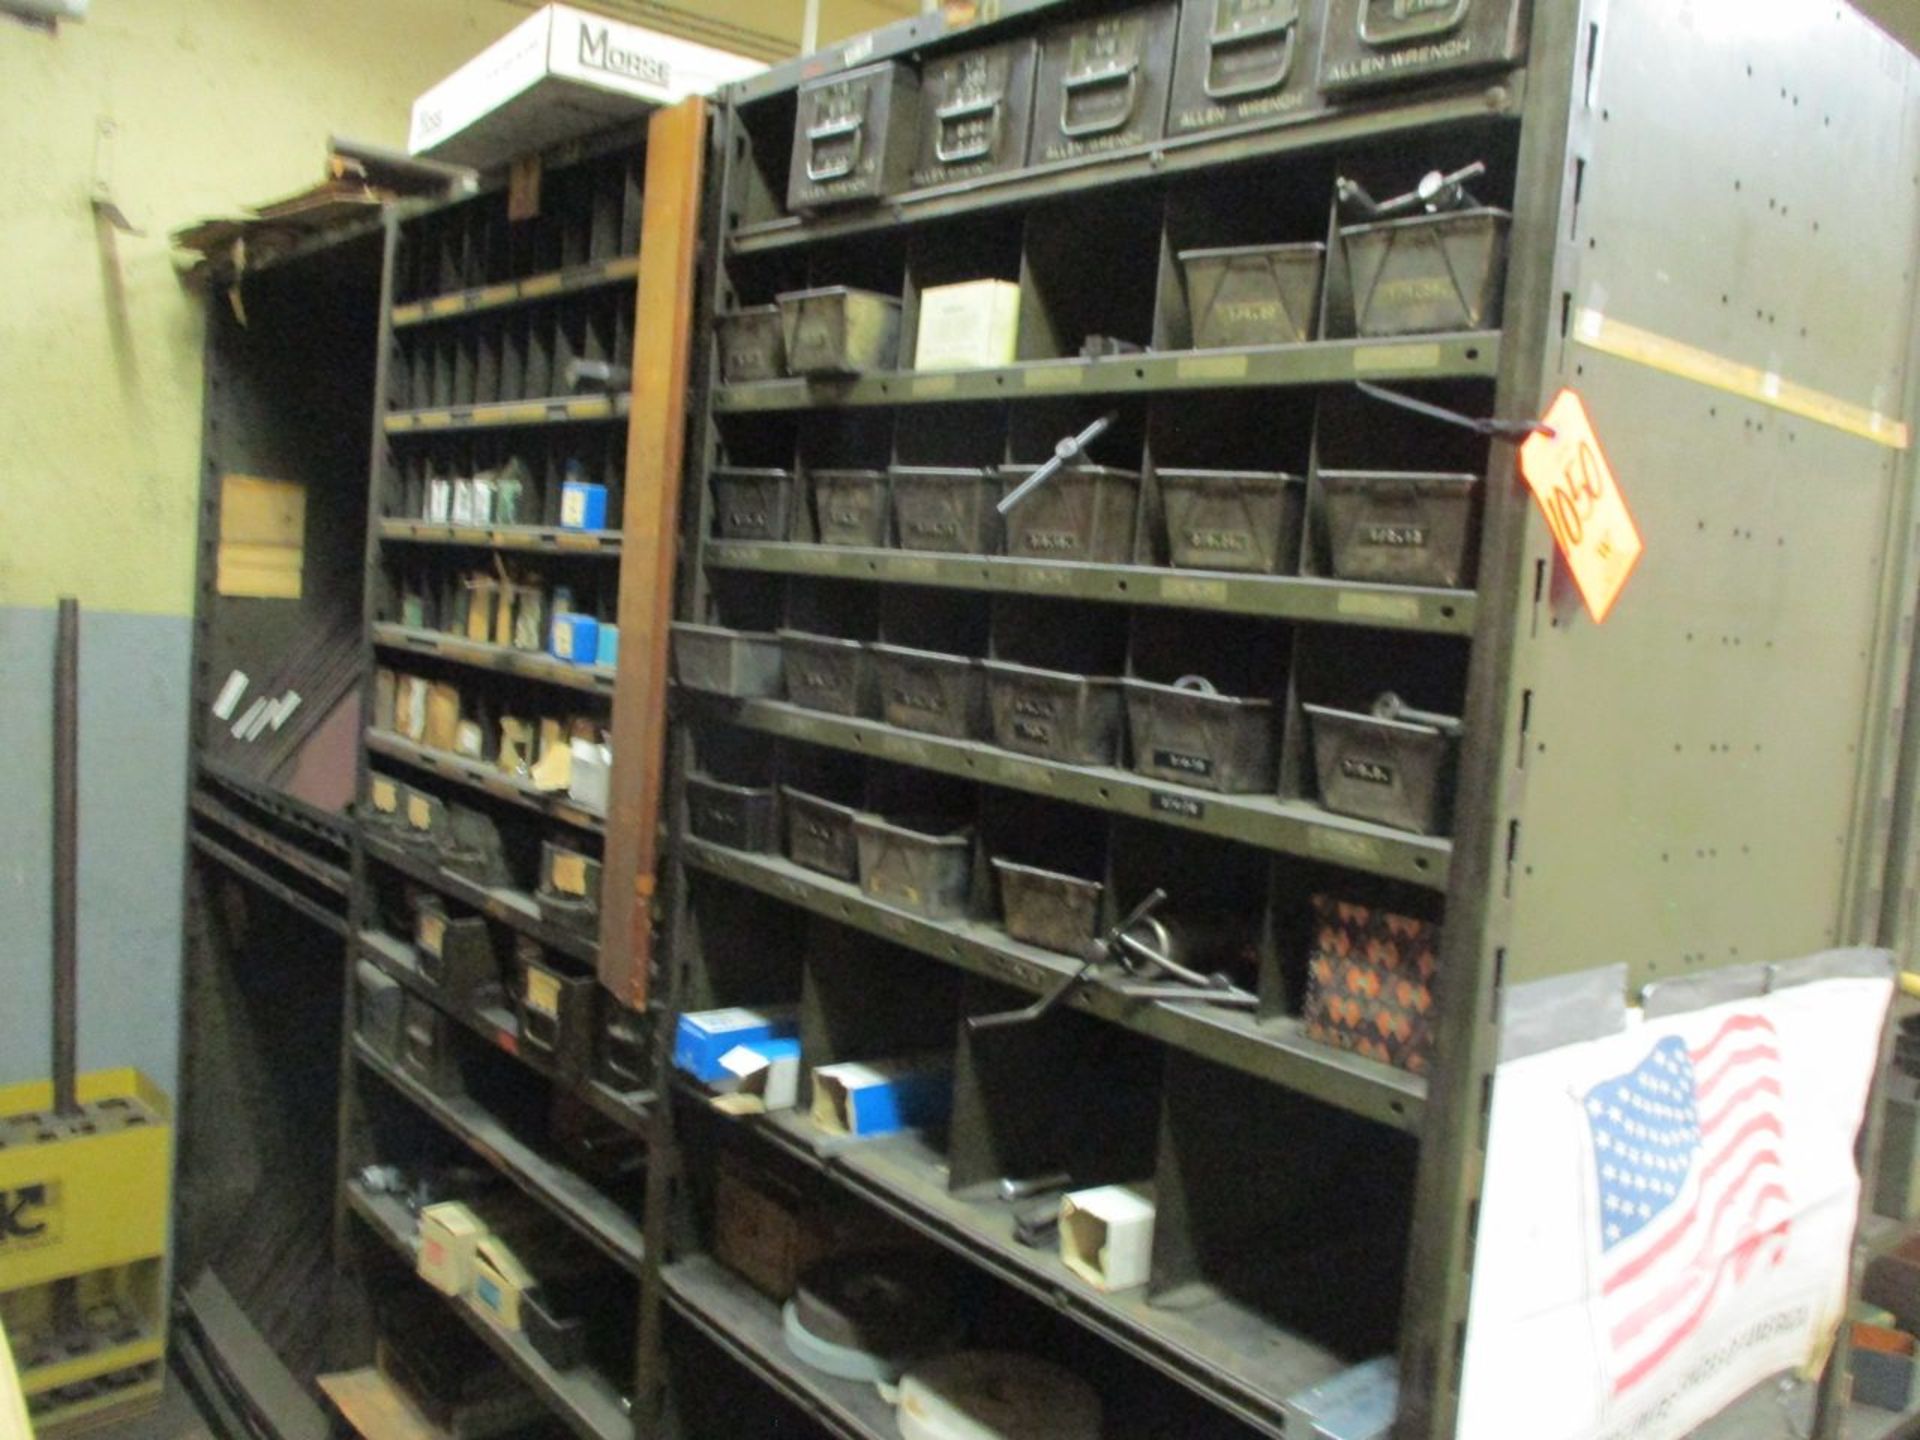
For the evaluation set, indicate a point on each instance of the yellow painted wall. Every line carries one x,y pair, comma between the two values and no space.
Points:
185,108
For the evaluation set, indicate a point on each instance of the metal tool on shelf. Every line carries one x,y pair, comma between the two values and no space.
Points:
1389,706
1142,949
1436,193
1069,451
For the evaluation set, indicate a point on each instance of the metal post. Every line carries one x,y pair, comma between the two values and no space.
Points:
66,847
810,28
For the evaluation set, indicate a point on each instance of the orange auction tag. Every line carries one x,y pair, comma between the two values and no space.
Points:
1569,475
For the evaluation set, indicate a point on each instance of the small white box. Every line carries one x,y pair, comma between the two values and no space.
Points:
463,502
970,326
587,783
439,501
1106,1235
450,1234
557,75
767,1074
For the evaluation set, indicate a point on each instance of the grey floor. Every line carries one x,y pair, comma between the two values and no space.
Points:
178,1418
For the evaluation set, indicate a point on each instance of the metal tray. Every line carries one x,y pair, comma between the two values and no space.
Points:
1241,521
946,509
1254,294
752,504
820,834
850,506
1074,719
1046,908
753,345
741,817
1428,273
936,694
1084,513
915,866
829,674
745,663
1195,736
1399,528
840,331
1393,772
976,112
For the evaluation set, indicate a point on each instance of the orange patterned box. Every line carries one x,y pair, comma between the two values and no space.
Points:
1370,983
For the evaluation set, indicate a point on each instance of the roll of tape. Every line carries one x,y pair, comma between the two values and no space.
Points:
992,1395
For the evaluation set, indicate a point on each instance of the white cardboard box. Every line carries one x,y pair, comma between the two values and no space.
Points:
1106,1235
968,326
557,75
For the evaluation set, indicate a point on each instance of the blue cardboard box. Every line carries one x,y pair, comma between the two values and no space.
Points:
583,506
703,1036
880,1097
609,655
576,638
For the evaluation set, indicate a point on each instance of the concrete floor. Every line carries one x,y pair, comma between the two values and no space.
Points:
178,1418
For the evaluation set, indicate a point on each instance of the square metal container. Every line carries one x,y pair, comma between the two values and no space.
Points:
837,330
455,956
1043,907
915,866
1246,522
752,504
820,834
740,817
936,694
1371,44
1074,719
1428,273
976,113
470,847
1393,772
1196,737
854,137
1084,513
743,663
427,1047
556,1014
946,509
560,908
379,1008
1244,62
829,674
1103,83
1400,529
753,344
1254,294
850,507
624,1058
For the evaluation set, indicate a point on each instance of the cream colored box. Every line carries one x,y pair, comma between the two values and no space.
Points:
970,326
450,1234
1106,1235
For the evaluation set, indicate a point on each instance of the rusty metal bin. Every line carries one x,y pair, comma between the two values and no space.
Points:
1046,908
1394,772
850,506
1084,513
1428,273
914,865
744,663
1074,719
947,509
936,694
753,344
752,504
829,674
1243,521
1400,528
840,331
1191,734
1254,294
741,817
820,834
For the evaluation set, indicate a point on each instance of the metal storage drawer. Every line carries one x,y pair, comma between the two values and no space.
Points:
1192,735
741,817
1370,44
946,509
1103,84
914,865
1428,273
850,506
1240,521
829,674
741,663
1241,62
1074,719
936,694
1400,529
1086,512
753,345
1394,772
820,834
837,330
1254,294
1046,908
976,113
855,136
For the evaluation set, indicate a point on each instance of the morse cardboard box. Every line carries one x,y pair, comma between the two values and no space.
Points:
557,75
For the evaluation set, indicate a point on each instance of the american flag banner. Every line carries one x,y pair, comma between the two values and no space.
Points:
1691,1193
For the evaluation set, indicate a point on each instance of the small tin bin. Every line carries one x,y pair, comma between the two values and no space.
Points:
556,1013
752,504
379,1009
427,1047
1074,719
829,674
1192,735
1428,273
740,817
1394,772
624,1056
569,892
744,663
1084,513
753,345
820,834
850,507
936,694
1254,294
946,509
1246,522
1043,907
1400,529
840,331
914,865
